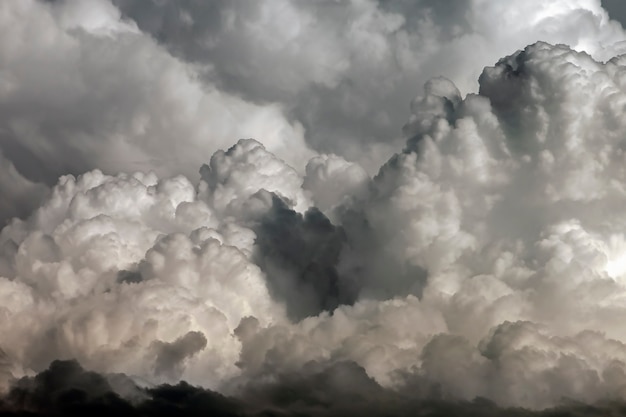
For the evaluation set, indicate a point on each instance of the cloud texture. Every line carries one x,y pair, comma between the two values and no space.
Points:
485,258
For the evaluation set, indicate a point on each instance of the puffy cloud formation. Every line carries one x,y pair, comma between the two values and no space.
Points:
128,85
486,258
89,90
503,215
130,270
346,70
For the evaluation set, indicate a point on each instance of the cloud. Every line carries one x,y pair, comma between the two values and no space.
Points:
341,389
478,256
299,254
439,273
89,90
171,355
128,85
63,295
496,217
346,70
333,182
25,195
232,177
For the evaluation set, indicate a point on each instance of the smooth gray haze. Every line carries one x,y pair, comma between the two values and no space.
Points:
393,204
616,9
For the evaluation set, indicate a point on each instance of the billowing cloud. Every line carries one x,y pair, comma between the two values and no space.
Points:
476,260
346,70
104,246
130,85
88,90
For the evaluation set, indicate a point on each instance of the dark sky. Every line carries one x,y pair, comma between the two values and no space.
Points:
616,9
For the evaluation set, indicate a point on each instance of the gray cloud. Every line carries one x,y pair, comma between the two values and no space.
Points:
346,70
89,90
93,89
299,254
322,260
320,390
170,356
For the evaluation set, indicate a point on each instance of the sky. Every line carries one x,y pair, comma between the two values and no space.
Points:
616,10
359,207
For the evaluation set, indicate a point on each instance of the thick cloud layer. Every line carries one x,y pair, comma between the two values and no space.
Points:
339,390
299,255
346,70
129,270
88,90
127,85
485,258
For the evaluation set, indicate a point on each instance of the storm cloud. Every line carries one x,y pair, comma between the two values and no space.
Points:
312,208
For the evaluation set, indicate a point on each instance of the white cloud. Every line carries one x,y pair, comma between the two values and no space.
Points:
484,258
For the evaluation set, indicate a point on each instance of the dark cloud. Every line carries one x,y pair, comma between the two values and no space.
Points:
65,388
279,71
332,390
300,253
170,356
453,17
307,68
20,195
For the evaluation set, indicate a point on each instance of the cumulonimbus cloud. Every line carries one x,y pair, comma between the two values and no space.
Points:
485,258
129,85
